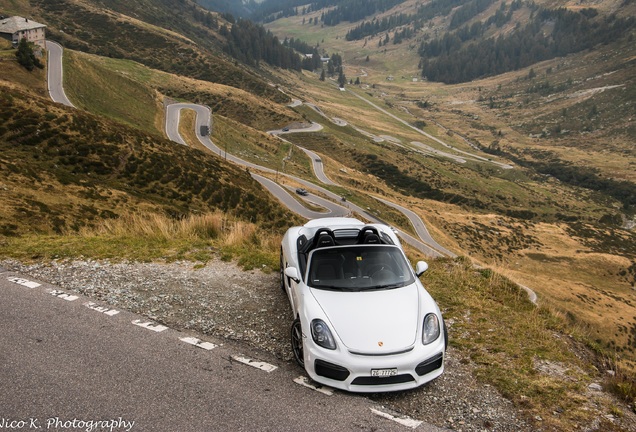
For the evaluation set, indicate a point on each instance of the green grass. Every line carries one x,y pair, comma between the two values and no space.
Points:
113,89
495,326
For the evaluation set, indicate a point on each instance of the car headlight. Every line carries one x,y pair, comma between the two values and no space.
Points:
322,335
430,329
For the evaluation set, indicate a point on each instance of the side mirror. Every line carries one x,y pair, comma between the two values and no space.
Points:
292,273
420,268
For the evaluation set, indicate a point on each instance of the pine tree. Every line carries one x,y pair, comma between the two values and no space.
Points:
26,57
342,79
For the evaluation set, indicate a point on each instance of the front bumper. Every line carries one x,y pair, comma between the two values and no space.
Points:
352,372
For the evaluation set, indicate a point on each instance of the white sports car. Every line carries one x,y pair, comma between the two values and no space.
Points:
363,322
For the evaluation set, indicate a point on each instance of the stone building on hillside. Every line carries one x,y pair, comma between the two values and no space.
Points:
16,28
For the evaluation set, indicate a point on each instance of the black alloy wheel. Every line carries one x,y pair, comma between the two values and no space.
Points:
297,342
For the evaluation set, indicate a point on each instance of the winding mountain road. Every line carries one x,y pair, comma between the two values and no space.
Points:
466,154
425,243
332,208
203,115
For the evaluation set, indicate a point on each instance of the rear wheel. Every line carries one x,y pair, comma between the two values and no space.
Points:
297,342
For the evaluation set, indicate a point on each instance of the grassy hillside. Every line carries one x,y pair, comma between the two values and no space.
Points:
575,101
168,35
135,94
63,169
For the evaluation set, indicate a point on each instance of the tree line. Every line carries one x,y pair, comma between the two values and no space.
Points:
251,43
450,60
463,12
341,10
355,10
468,11
376,26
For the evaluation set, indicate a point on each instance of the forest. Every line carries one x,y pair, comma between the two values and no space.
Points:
355,10
462,56
344,10
462,14
468,50
251,43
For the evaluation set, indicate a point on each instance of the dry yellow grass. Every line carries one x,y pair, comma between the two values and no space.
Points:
156,225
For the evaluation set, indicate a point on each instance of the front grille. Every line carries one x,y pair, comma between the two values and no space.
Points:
370,380
381,354
429,365
330,370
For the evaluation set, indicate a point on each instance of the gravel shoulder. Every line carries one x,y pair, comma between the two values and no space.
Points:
224,301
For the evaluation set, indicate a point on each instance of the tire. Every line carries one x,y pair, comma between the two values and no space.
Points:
297,342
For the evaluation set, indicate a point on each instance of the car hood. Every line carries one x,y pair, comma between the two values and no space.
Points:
373,322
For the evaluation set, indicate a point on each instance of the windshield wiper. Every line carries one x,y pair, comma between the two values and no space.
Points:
327,287
334,288
386,286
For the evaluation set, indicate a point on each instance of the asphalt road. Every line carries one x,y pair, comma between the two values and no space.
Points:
61,361
284,196
420,227
316,163
55,74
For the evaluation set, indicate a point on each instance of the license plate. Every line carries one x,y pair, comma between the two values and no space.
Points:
383,373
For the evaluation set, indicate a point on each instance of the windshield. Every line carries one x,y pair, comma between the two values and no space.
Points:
359,268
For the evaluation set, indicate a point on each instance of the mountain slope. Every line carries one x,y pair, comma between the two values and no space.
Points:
168,35
65,169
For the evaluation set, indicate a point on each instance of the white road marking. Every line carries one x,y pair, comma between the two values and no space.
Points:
304,381
150,326
258,365
63,295
24,282
198,343
404,420
102,309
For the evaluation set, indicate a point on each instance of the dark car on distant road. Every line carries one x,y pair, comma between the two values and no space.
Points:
301,191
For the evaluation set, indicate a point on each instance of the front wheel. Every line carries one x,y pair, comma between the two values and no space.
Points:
297,342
